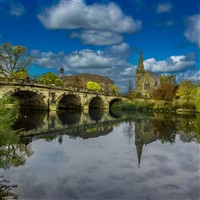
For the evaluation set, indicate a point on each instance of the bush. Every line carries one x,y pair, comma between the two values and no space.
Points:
93,86
197,103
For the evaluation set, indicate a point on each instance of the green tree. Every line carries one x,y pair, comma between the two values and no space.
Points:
167,88
49,79
115,89
198,100
186,90
13,59
22,74
94,86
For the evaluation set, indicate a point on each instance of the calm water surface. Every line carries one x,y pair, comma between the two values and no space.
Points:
101,155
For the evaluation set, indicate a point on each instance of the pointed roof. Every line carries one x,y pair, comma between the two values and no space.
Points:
140,62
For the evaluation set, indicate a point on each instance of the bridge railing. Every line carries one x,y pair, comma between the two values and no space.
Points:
32,82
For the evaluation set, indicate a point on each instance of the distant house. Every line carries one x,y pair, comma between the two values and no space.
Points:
146,81
80,81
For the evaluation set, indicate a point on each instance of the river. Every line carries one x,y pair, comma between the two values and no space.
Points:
101,155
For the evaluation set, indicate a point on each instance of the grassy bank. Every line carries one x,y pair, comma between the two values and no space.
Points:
145,105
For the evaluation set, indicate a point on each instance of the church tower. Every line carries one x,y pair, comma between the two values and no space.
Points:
140,71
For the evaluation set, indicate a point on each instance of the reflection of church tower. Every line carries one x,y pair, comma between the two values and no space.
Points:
60,139
139,142
139,73
139,146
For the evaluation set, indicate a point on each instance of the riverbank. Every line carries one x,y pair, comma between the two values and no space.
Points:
150,105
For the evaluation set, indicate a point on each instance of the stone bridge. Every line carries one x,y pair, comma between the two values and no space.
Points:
31,95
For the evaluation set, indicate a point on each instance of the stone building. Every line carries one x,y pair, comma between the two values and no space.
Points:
146,81
80,81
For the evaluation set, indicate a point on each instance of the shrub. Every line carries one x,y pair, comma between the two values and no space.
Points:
93,86
197,103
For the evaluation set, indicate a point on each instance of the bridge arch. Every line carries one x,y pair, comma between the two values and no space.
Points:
96,103
69,101
29,99
115,102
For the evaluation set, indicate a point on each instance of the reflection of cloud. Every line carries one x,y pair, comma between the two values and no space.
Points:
97,170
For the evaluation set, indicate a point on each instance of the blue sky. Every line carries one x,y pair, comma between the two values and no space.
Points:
105,37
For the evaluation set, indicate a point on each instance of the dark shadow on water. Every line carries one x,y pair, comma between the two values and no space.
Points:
96,114
69,117
30,119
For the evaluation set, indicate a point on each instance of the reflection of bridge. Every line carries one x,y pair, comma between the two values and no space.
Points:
64,122
35,96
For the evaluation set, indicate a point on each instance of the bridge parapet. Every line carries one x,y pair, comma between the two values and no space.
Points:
29,82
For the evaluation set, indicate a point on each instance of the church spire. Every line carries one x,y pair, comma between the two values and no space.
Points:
140,63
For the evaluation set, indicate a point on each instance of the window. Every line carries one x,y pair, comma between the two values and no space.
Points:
146,85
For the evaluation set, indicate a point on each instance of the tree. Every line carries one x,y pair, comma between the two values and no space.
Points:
166,91
22,74
198,100
115,89
186,90
167,88
93,86
13,59
49,79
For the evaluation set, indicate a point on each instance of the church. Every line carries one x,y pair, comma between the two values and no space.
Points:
146,81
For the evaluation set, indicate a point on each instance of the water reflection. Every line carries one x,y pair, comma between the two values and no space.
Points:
50,130
6,189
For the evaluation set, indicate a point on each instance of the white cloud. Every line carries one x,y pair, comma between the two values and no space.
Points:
83,61
97,37
193,75
192,32
87,61
16,9
163,8
72,14
122,50
171,64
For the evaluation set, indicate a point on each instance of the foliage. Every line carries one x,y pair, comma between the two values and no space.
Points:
13,59
93,86
7,116
115,89
166,91
12,152
186,90
167,88
22,74
49,79
198,100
